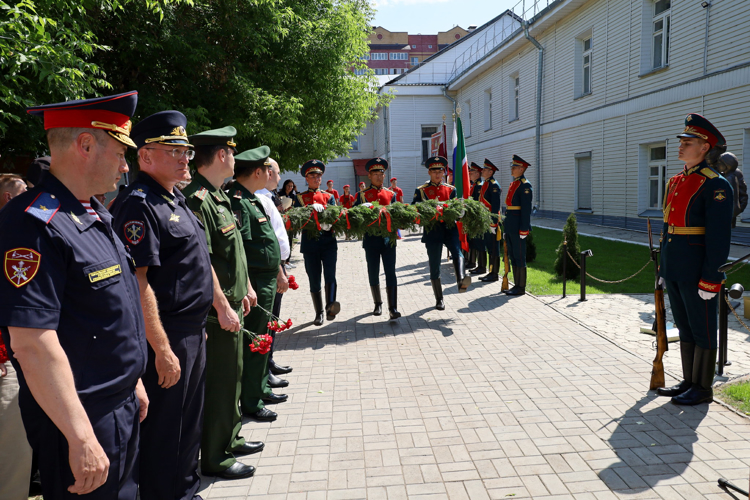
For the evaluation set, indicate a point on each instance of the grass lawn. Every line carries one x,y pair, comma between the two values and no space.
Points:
737,395
612,260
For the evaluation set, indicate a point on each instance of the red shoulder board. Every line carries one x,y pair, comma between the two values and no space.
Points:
201,193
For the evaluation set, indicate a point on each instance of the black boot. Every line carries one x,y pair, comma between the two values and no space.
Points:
481,264
687,352
277,369
520,280
377,299
437,289
471,262
332,307
462,279
514,270
392,295
494,266
318,305
704,368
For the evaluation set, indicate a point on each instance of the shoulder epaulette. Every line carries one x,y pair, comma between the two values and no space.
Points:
709,173
237,194
449,185
524,180
201,193
44,207
424,185
139,190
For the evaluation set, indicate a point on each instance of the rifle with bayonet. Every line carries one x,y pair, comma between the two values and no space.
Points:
657,372
501,230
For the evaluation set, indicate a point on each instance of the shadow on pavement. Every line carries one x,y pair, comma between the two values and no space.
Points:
652,446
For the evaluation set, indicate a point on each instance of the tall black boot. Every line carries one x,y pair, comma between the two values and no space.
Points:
392,295
687,353
332,307
377,299
462,279
471,262
317,298
437,289
520,280
514,270
494,266
481,263
704,368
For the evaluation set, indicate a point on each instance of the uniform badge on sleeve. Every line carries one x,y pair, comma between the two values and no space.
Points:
719,195
135,230
21,265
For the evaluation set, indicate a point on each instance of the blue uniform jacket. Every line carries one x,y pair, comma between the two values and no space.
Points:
66,271
518,208
326,239
696,200
164,235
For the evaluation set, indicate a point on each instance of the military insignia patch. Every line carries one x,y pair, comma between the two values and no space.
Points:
198,216
174,218
227,228
21,265
168,199
238,217
719,195
140,193
135,230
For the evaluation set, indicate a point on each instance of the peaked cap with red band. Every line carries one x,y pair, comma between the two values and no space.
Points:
699,127
376,165
475,166
519,162
490,165
111,113
436,163
313,167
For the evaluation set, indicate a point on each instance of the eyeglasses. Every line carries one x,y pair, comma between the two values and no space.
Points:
178,153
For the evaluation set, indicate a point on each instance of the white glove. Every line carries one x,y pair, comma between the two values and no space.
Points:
706,295
523,236
318,207
325,227
367,205
493,229
463,212
661,282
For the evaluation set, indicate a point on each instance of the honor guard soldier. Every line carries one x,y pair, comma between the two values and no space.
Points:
440,235
347,199
264,266
477,263
490,195
70,317
320,254
173,268
399,192
695,242
517,223
222,420
376,247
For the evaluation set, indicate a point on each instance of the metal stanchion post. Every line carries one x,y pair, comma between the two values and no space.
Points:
723,326
584,254
565,265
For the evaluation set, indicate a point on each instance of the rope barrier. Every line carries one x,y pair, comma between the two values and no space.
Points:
606,281
726,298
737,269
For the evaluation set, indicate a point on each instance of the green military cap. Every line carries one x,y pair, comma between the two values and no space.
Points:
253,157
218,137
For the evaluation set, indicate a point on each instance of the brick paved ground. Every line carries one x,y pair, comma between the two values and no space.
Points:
495,397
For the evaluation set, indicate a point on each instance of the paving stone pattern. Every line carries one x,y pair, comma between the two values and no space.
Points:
493,398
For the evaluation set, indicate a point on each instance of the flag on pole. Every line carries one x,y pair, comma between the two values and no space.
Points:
460,173
443,148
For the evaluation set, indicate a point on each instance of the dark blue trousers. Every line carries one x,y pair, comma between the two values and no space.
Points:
516,249
696,319
171,433
435,249
117,432
377,248
319,262
492,245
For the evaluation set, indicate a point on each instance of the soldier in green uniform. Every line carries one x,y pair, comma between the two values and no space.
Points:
264,266
221,441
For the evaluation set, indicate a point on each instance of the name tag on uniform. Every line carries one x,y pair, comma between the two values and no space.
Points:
262,219
103,274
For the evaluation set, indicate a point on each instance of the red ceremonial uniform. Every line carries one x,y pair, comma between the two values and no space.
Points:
347,200
334,193
383,196
399,194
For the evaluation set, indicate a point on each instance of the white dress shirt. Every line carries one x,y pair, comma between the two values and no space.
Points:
264,195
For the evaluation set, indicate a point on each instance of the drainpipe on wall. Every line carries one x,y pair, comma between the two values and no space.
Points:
445,93
538,145
707,6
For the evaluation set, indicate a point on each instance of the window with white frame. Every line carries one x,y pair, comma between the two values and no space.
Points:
366,57
381,71
414,61
488,109
379,56
660,35
466,121
429,46
399,56
360,71
586,66
515,95
657,171
583,180
398,71
426,135
583,64
355,144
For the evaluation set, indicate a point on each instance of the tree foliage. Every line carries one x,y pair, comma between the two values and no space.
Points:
278,70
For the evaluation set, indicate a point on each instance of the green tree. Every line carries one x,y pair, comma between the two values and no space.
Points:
569,234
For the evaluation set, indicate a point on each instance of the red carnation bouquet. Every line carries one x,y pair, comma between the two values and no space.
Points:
292,282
